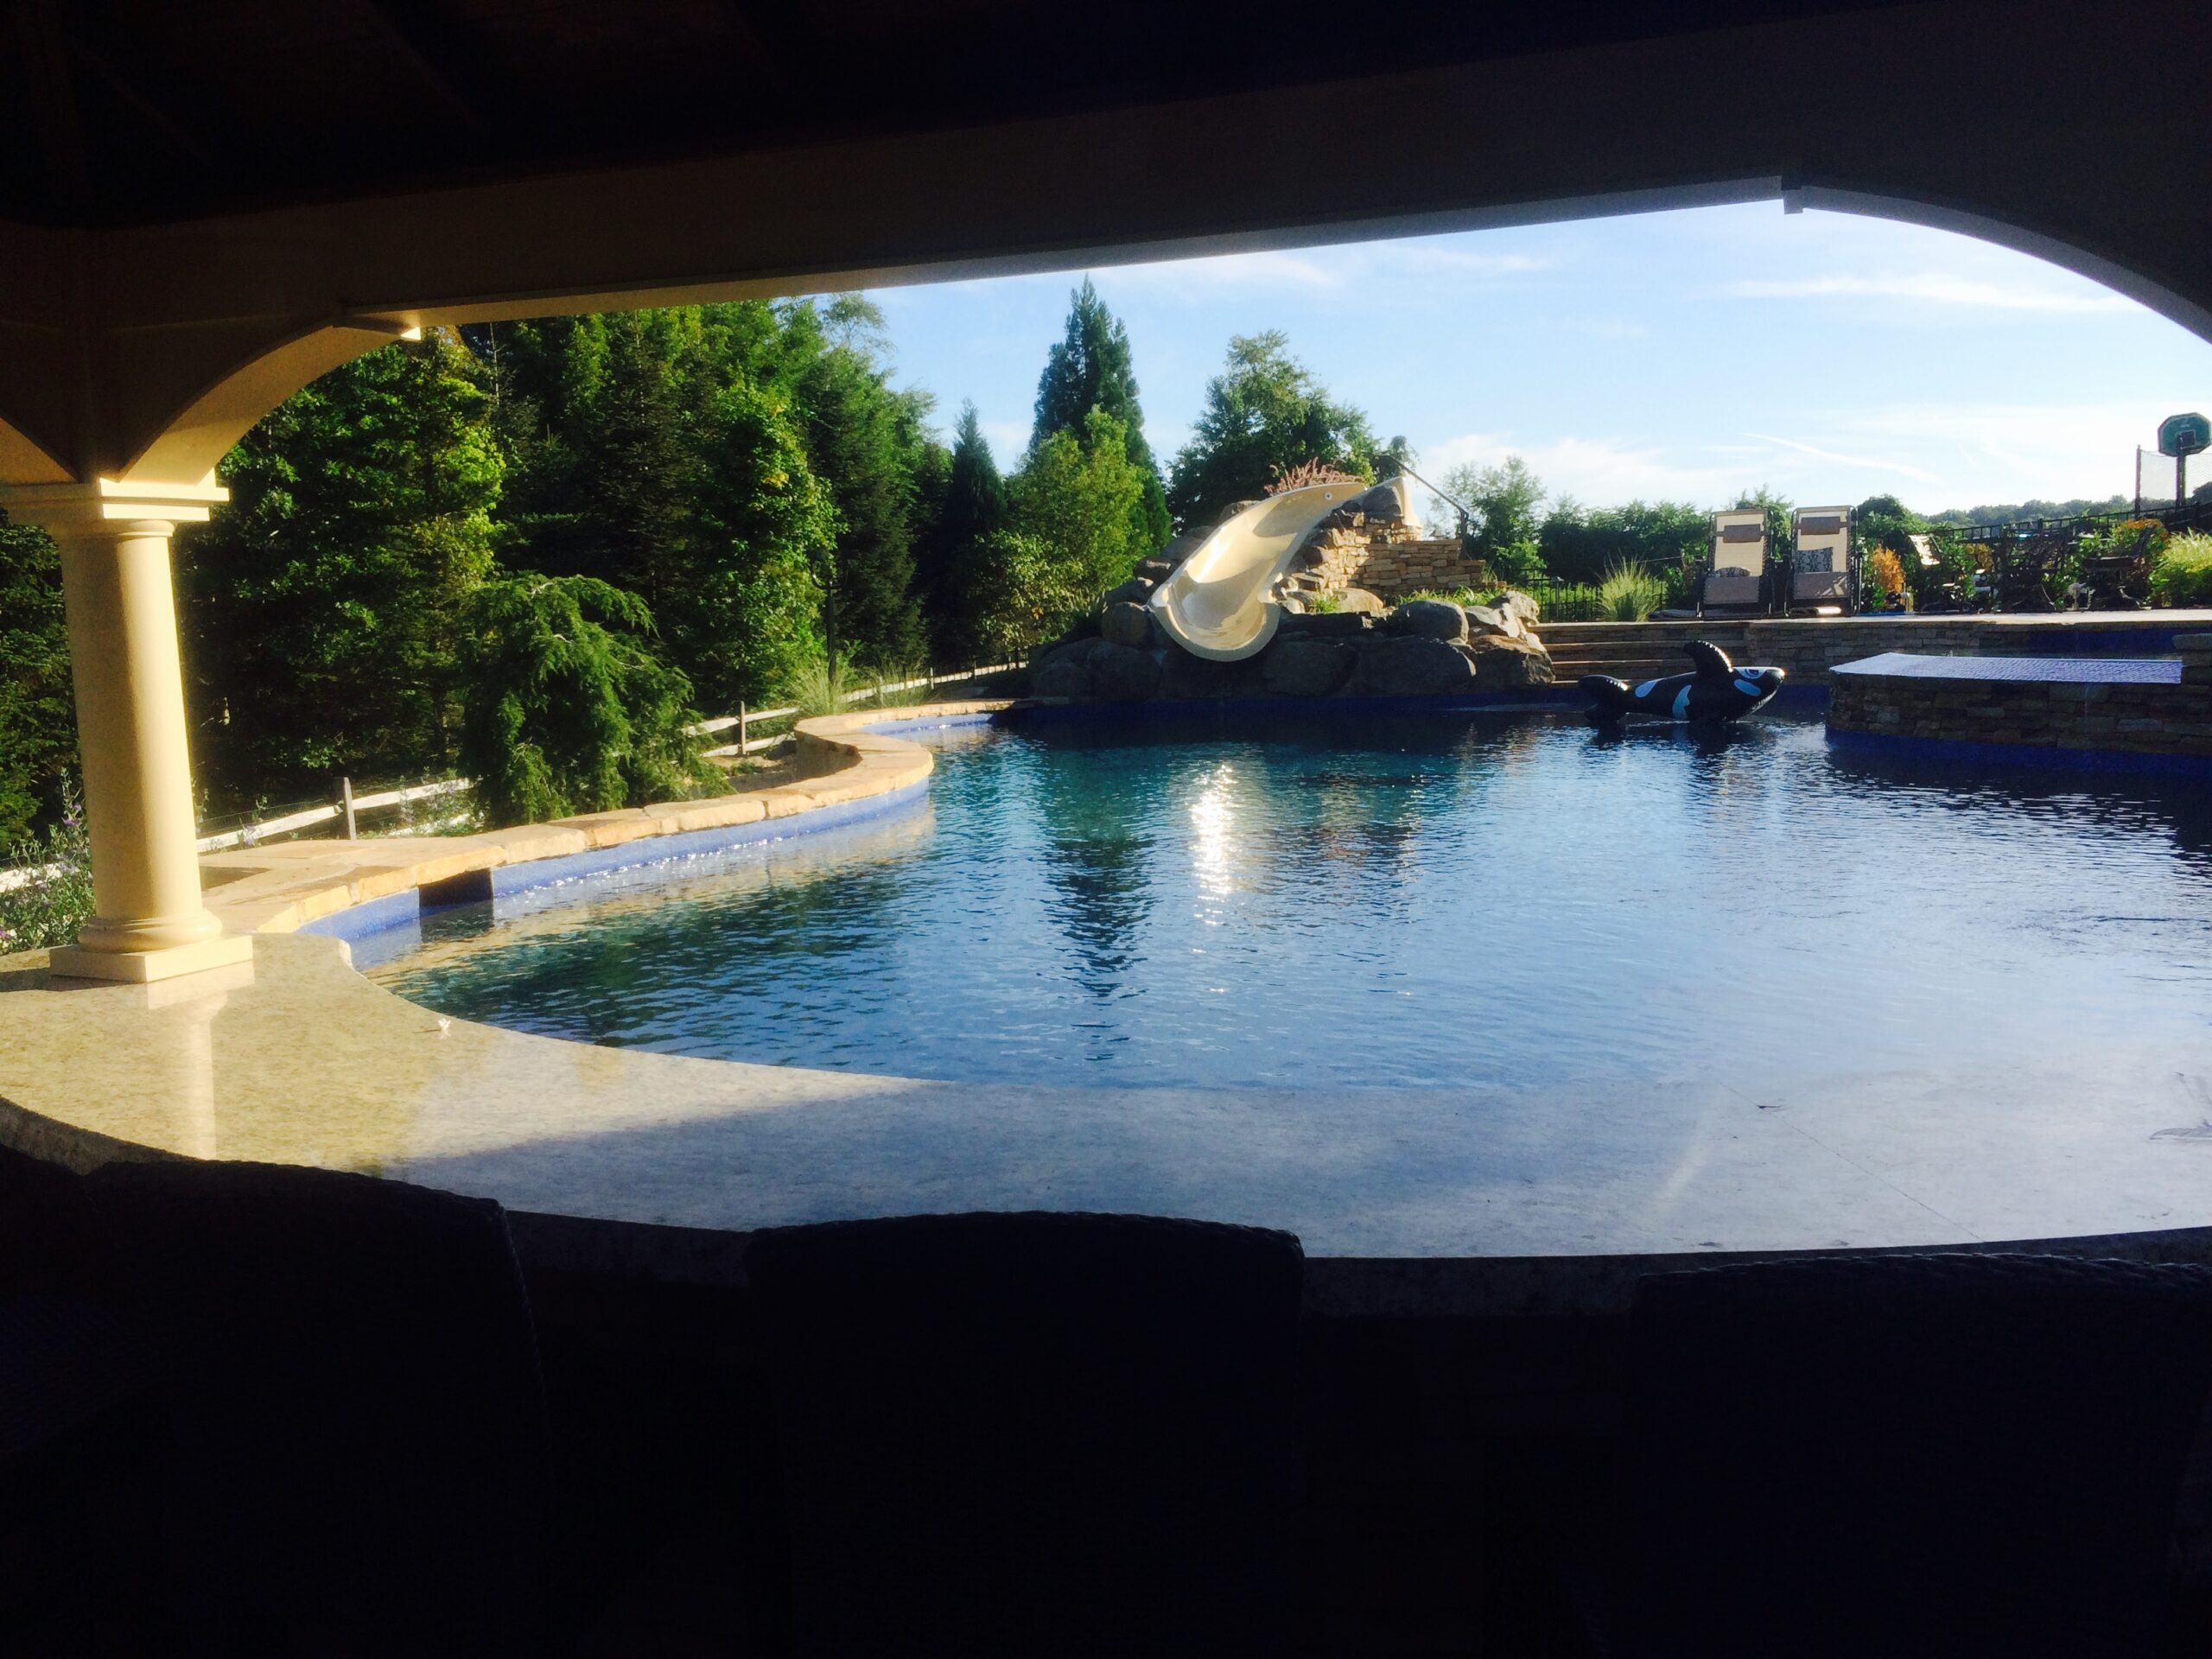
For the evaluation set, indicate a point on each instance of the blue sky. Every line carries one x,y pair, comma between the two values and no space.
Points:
1683,355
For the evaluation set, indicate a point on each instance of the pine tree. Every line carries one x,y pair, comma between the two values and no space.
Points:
974,509
321,605
862,440
1092,368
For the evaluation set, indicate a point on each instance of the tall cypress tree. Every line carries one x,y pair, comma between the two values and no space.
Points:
974,509
1092,368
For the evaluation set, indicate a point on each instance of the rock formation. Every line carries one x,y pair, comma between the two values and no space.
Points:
1424,647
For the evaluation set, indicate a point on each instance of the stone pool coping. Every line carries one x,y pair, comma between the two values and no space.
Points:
348,888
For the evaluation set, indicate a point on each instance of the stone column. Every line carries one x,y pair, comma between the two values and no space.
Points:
149,923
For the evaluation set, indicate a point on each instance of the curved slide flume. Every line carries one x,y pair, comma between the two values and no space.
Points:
1221,602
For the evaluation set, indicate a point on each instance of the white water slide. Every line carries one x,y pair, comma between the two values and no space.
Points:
1222,602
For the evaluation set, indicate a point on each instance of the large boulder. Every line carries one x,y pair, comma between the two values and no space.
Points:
1308,668
1061,677
1158,571
1522,606
1135,591
1496,620
1428,619
1503,664
1123,673
1360,599
1076,651
1122,623
1180,549
1411,665
1325,625
1381,504
1188,678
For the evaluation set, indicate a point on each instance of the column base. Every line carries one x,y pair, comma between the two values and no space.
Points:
144,967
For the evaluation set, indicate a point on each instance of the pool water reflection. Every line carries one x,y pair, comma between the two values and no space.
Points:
1494,898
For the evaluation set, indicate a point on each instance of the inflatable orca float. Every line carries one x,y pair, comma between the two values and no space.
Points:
1718,689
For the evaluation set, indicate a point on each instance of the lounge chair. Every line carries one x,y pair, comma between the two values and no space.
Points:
1820,574
1737,580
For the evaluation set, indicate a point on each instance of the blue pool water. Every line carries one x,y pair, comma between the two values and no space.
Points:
1508,899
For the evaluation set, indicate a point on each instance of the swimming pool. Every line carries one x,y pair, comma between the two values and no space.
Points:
1515,900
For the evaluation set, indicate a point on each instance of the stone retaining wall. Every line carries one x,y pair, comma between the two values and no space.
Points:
1389,560
2136,719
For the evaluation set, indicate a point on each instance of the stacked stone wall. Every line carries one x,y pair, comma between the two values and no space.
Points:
1389,561
2166,719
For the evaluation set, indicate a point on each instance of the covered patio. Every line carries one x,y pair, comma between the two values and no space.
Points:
205,209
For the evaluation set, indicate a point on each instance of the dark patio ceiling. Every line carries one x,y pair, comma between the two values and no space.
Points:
120,111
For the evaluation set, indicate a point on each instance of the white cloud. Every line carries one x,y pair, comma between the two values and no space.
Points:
1961,455
1863,463
2011,451
1930,287
1597,470
1005,437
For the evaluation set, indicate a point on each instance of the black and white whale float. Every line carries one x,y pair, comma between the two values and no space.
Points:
1715,690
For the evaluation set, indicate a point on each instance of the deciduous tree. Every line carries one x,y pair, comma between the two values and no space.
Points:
1263,412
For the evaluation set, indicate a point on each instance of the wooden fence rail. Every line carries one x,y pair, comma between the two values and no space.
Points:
348,806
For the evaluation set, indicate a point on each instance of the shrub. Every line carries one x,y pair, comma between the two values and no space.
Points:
1032,595
56,901
822,687
2183,576
1517,564
566,708
1884,573
1630,593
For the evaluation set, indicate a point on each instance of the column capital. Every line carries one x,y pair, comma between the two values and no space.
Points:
107,506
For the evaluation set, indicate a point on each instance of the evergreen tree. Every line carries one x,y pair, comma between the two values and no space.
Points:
1092,368
863,441
1264,413
569,710
38,726
321,605
973,509
746,617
